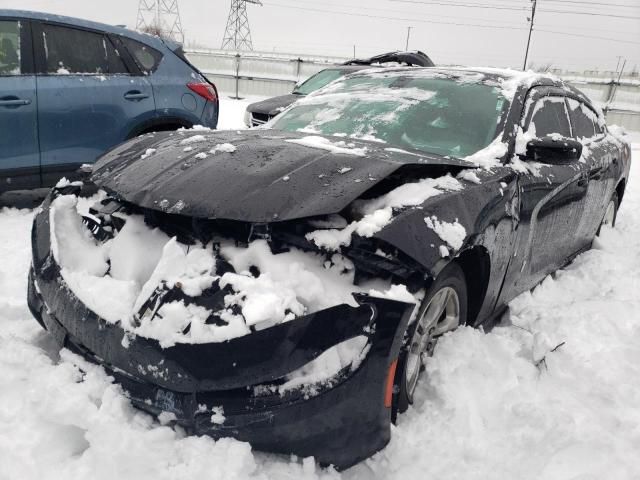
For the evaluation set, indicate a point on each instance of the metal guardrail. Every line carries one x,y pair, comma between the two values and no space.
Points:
243,74
266,74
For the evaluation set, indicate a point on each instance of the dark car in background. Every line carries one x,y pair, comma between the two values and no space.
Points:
261,112
71,89
287,288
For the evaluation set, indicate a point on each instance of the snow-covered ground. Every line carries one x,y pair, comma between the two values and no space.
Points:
489,409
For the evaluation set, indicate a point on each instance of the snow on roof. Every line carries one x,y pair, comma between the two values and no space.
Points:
509,79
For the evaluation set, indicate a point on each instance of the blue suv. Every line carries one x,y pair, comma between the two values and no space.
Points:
72,89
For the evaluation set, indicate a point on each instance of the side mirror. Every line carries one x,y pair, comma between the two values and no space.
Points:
553,150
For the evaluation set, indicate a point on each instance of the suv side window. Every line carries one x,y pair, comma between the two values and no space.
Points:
10,47
74,51
583,120
550,117
146,57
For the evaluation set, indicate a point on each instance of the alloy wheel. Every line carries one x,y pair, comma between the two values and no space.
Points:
441,315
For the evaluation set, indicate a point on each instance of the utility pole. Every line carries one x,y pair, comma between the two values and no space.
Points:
616,85
408,34
533,15
619,57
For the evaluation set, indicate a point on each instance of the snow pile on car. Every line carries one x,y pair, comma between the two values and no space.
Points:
116,277
378,213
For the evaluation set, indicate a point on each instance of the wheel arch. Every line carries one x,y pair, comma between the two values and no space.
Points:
475,263
159,125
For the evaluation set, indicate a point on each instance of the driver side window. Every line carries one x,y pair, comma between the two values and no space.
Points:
549,117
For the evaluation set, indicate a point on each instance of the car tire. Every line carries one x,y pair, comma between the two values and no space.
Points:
419,343
611,213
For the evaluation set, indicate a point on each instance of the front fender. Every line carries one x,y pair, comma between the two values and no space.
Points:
484,211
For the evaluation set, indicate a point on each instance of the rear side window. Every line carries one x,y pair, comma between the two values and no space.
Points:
9,48
550,117
146,57
74,51
318,81
582,119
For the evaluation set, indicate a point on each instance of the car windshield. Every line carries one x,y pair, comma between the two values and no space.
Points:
317,81
433,113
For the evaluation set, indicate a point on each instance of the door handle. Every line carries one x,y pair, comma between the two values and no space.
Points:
135,95
14,102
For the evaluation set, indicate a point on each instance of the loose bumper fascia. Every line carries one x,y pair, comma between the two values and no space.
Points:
340,423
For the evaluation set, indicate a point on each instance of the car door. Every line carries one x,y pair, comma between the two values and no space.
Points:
19,152
552,198
88,98
599,156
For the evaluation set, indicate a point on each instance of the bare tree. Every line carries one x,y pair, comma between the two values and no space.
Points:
153,29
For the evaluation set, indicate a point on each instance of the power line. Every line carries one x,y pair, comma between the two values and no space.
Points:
447,23
574,12
500,7
588,36
310,9
364,15
396,11
586,4
467,5
588,28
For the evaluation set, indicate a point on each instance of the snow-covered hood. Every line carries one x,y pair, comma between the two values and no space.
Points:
253,176
273,106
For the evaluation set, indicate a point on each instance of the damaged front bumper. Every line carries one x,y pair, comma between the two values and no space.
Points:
339,422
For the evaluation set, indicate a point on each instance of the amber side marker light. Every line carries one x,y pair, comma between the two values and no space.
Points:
388,393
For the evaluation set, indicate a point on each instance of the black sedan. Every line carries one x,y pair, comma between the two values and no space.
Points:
286,286
261,112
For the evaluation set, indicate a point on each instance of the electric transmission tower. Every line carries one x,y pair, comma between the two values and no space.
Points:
160,17
237,35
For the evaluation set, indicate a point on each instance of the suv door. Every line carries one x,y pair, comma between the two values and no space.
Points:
88,98
19,153
552,198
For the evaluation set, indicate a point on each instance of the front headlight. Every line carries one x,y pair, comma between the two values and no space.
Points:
247,118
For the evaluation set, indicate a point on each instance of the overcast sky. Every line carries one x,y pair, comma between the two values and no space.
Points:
490,32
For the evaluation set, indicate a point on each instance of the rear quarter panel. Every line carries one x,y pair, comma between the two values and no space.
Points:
173,97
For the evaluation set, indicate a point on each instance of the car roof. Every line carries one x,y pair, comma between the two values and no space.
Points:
497,74
78,22
509,79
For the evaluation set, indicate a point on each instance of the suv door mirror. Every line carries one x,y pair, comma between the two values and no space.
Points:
553,150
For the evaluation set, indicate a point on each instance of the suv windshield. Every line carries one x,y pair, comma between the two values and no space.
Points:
318,81
430,112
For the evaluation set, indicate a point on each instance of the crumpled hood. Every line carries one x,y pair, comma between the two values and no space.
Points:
266,178
273,106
